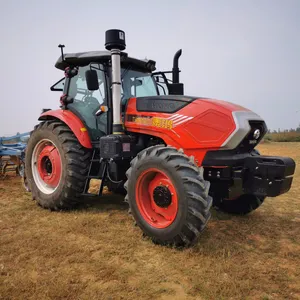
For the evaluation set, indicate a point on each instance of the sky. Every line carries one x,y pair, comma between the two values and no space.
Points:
245,52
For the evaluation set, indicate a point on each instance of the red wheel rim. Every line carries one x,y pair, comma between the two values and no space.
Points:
156,198
49,165
46,166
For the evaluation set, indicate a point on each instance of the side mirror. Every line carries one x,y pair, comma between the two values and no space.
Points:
92,80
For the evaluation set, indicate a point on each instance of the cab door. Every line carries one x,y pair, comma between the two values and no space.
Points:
86,103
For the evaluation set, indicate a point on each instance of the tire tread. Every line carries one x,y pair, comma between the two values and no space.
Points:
195,188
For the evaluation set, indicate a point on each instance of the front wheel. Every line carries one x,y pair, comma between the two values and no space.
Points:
168,196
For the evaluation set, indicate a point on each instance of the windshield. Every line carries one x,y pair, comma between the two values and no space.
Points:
137,84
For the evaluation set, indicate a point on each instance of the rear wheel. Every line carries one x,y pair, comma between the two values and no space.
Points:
168,196
56,166
24,177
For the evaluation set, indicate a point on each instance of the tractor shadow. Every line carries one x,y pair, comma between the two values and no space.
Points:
106,202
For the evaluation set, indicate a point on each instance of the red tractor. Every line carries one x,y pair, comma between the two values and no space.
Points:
173,156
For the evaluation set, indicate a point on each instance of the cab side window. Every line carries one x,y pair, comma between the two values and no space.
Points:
78,87
86,103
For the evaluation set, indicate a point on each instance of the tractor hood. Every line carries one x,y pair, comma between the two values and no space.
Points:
245,122
209,123
224,104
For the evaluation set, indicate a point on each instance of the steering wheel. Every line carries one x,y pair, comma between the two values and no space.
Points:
90,100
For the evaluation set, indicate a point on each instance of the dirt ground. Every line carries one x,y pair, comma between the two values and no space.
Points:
97,253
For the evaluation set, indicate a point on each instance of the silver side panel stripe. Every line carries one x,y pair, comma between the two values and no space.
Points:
241,119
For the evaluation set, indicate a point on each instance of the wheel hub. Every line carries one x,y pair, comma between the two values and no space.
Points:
156,198
162,196
49,165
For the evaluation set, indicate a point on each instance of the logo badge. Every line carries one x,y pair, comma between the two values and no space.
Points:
256,134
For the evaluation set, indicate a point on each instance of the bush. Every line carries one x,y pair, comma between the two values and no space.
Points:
283,137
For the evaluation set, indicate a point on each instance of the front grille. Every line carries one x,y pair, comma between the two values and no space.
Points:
250,142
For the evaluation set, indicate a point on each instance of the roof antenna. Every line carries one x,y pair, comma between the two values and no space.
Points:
62,51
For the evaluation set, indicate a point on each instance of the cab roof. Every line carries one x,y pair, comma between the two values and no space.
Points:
85,58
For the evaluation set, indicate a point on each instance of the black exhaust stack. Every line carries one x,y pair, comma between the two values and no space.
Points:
175,69
176,88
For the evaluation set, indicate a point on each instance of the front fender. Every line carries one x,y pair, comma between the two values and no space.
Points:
72,121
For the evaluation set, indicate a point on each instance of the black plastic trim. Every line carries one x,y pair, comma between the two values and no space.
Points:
163,104
117,128
224,158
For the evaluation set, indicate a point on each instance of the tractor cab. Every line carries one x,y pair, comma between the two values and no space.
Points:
88,88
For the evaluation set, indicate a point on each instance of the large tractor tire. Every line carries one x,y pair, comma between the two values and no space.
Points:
242,205
167,196
56,166
24,177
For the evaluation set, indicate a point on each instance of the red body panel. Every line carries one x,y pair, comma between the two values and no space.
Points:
73,122
202,125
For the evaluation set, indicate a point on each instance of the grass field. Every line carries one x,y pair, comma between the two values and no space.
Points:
96,253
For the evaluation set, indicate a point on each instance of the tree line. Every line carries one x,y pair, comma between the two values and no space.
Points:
285,130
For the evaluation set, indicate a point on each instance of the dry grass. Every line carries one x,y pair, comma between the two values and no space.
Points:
96,252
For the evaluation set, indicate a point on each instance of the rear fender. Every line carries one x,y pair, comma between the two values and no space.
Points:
72,121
